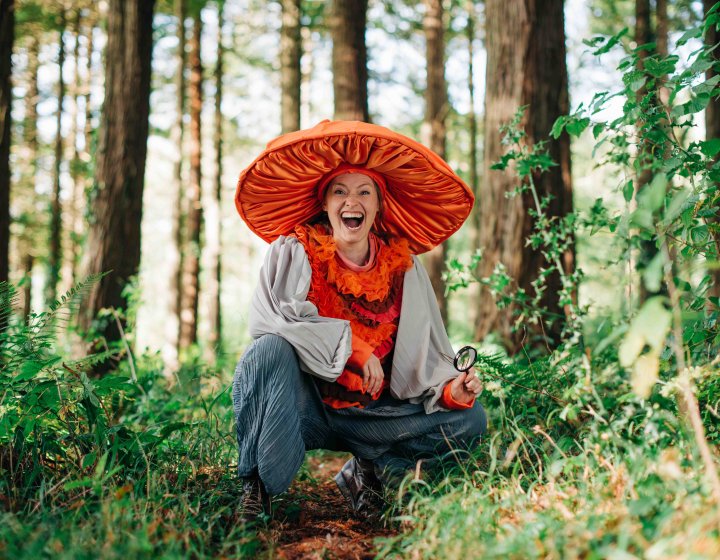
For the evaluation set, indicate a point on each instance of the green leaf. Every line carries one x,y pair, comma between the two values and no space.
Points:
676,206
89,459
558,127
28,370
653,273
597,130
692,33
652,195
611,42
628,191
575,126
710,148
699,234
649,327
660,68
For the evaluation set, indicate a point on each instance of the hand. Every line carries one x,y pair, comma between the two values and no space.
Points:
465,387
373,375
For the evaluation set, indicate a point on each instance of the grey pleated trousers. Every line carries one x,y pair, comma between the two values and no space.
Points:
279,415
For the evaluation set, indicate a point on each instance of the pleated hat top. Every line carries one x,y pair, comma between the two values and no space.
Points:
424,201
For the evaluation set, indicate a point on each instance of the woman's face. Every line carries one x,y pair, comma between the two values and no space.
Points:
351,203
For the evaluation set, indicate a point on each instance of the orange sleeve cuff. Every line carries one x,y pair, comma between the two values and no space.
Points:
361,351
448,402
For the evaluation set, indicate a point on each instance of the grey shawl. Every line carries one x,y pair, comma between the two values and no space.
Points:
323,344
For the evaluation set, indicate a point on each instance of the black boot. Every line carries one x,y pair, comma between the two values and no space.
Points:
255,503
358,483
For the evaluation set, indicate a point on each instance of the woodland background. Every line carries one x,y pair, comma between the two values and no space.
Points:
587,272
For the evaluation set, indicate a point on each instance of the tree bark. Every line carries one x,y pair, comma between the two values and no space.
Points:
76,209
27,260
473,152
87,88
526,66
113,245
191,260
7,34
213,229
712,127
26,242
177,245
290,53
646,152
349,59
434,131
55,256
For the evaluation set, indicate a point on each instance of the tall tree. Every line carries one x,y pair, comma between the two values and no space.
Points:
55,255
27,237
472,126
349,59
525,66
712,122
178,133
290,53
76,205
7,35
121,155
434,130
213,229
191,260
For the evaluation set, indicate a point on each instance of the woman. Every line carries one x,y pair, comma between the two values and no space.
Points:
350,352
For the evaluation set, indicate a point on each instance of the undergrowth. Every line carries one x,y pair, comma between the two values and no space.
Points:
606,446
128,465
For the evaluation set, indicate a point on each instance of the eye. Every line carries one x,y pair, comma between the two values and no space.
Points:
365,192
338,190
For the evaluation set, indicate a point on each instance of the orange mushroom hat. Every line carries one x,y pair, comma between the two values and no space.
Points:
424,201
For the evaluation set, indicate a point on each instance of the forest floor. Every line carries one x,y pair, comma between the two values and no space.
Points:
313,520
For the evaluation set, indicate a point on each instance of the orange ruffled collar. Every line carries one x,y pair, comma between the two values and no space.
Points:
373,284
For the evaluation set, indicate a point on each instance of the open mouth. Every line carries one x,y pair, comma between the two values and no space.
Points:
352,220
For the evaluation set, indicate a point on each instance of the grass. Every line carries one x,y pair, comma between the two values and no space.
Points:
135,467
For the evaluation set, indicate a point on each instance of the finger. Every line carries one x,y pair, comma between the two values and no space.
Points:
378,382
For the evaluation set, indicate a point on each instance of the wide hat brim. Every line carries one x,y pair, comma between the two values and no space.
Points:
425,201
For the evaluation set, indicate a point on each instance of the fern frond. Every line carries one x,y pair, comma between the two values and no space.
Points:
8,300
69,302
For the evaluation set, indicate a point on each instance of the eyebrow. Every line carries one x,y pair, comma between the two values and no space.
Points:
368,183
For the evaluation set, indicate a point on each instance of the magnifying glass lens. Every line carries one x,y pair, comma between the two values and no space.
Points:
465,358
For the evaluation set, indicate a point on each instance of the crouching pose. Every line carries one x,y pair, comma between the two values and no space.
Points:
349,352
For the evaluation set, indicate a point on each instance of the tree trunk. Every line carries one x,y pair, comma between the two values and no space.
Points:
349,59
177,244
646,153
526,66
78,190
213,229
290,53
7,34
87,88
28,236
55,256
472,124
434,132
28,260
113,245
712,128
191,261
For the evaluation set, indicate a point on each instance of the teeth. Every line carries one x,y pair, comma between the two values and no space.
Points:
351,215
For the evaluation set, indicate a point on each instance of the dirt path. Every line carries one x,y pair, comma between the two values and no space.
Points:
314,520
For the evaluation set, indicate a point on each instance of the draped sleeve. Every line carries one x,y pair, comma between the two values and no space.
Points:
422,363
279,306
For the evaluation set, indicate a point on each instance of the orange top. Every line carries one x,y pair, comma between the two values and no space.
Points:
369,299
424,201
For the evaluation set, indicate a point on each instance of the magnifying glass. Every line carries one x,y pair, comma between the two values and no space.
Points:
465,358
